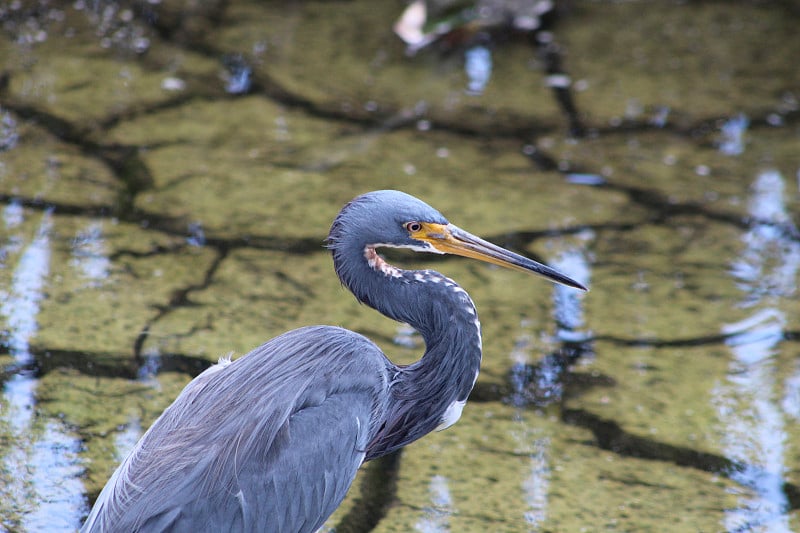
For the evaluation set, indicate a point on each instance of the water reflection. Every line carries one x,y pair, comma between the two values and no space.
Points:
754,422
437,516
791,395
197,237
733,131
543,383
12,217
567,302
580,178
55,472
408,337
43,490
125,440
238,75
478,67
115,25
89,254
151,364
8,131
529,440
19,309
767,267
537,485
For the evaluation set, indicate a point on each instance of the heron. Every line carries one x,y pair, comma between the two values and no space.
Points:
273,440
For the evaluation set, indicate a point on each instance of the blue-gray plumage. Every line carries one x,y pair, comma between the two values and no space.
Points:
273,440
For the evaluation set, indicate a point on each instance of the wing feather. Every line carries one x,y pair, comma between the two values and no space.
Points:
270,442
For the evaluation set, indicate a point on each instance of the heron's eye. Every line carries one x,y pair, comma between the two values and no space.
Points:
413,227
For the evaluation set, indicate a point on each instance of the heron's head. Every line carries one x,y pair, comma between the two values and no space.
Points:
398,220
386,219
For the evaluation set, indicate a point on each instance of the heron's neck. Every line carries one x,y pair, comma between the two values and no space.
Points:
429,393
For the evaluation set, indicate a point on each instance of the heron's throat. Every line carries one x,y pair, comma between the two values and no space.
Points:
376,263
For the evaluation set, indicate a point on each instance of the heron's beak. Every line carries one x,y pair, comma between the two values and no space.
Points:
450,239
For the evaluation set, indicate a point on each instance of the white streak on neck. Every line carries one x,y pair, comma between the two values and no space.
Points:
451,414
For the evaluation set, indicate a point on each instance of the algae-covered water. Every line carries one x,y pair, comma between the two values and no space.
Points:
169,170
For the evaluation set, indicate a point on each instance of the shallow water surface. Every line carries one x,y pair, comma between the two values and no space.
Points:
168,174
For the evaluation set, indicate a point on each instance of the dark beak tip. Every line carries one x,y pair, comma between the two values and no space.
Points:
575,285
581,286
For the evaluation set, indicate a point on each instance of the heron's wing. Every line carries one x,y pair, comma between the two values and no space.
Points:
313,462
291,487
270,442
